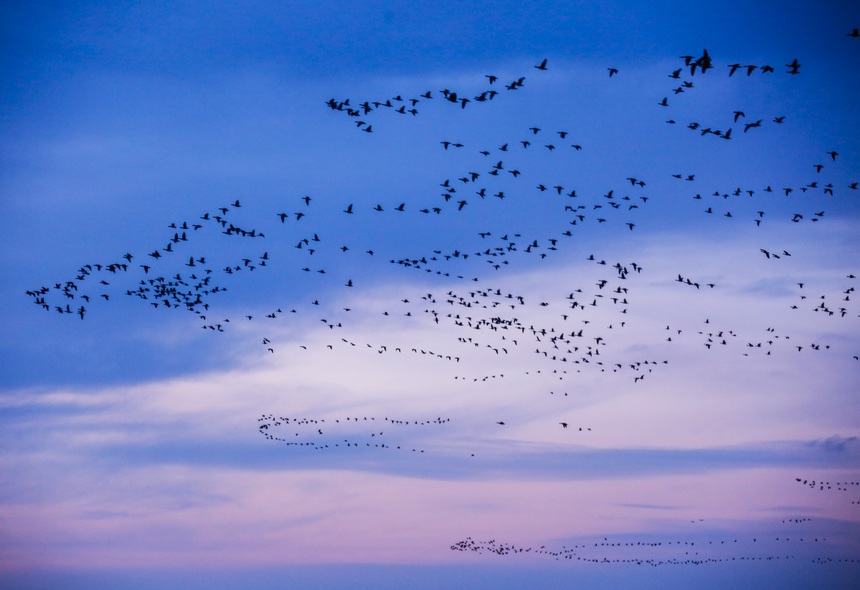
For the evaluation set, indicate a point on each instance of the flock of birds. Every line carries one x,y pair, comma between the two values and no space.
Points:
826,486
655,553
360,433
566,334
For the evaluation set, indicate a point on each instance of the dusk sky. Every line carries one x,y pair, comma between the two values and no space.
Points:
430,295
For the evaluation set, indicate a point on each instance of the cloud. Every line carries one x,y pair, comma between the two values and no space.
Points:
837,444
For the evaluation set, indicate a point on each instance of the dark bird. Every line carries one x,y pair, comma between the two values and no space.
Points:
541,66
749,126
793,67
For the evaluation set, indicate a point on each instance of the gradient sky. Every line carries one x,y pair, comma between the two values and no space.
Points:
354,427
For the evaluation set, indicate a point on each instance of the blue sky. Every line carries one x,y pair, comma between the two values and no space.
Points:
493,344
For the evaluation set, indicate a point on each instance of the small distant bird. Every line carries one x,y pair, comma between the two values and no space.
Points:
612,71
793,67
541,66
854,33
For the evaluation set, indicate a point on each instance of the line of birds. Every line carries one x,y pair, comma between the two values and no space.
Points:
270,427
661,552
826,486
408,106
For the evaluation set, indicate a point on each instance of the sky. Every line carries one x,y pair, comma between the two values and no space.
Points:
395,295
